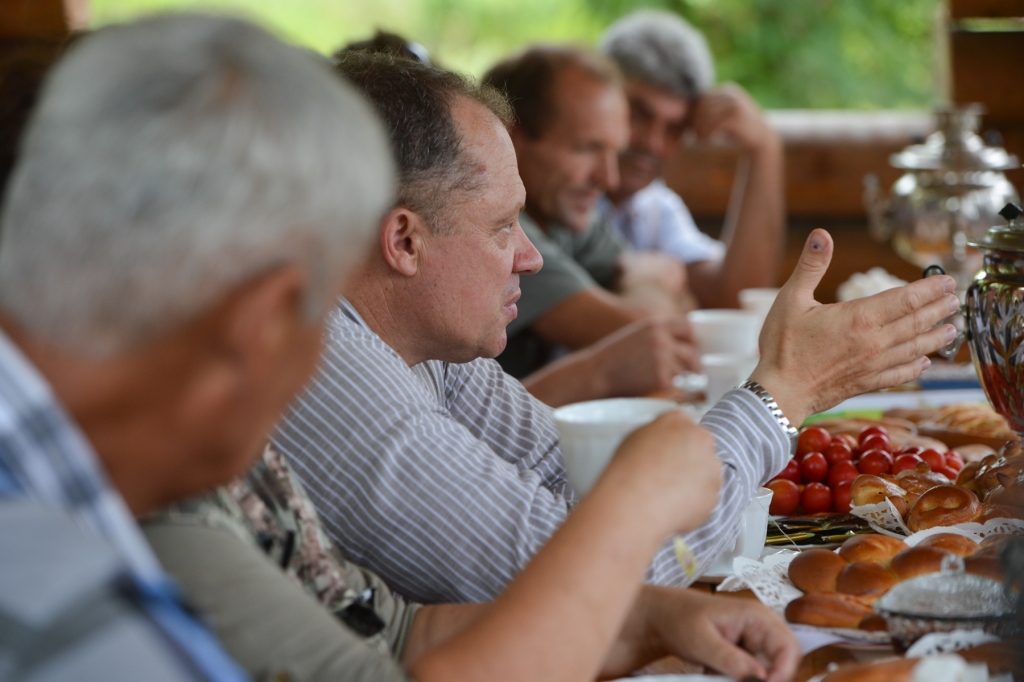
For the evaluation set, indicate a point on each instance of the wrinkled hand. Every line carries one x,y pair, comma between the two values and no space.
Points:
814,356
736,637
643,357
730,112
669,466
639,268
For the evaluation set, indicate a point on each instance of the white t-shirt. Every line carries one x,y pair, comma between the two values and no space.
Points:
656,219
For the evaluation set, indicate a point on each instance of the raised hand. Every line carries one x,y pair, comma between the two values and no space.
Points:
814,356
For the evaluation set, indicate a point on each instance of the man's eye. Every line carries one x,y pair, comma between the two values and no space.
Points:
507,228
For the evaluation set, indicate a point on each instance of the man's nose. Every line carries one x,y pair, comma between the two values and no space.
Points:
527,259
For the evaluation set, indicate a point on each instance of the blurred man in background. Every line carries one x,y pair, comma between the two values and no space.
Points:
669,76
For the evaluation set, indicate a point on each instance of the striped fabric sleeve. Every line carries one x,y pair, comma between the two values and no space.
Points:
752,448
444,511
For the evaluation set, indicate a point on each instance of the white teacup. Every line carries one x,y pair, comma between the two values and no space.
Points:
753,532
759,302
591,432
725,330
725,371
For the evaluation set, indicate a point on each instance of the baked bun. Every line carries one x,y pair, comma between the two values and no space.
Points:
1000,657
877,548
917,483
874,623
944,505
869,489
951,542
987,565
827,609
998,511
816,570
994,544
865,579
916,561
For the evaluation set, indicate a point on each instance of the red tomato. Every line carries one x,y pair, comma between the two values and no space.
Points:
838,451
905,462
791,472
948,472
954,460
785,497
814,467
841,498
875,462
841,471
816,498
850,440
876,442
868,431
812,439
934,458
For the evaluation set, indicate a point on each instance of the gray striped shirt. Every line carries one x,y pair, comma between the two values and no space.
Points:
445,479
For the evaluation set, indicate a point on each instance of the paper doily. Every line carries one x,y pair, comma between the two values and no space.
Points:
883,517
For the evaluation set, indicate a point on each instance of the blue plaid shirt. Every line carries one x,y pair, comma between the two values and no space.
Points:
45,457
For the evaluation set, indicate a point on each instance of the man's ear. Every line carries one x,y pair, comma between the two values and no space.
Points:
402,236
250,332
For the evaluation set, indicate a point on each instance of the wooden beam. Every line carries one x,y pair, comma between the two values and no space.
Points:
41,19
970,9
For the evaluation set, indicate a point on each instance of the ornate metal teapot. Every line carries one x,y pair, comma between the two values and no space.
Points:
950,195
994,310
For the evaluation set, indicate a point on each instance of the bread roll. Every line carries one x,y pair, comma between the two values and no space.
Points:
877,548
988,512
987,565
827,609
944,505
916,483
874,623
916,561
865,579
868,489
816,570
951,542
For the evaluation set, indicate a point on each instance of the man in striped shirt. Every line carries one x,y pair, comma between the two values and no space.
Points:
432,467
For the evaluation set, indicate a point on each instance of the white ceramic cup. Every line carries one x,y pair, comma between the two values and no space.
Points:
725,371
753,531
759,302
725,331
591,432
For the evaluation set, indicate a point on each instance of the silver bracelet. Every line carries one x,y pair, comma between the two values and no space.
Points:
773,407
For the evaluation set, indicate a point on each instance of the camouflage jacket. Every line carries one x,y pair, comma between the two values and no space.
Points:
269,507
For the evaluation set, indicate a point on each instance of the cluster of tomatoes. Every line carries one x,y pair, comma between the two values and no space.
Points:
819,477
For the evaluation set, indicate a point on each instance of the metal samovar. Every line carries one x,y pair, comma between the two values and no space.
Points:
950,195
994,310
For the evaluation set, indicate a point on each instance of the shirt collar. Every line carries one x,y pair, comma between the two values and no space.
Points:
45,456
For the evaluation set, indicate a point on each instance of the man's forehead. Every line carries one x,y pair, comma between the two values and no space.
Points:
579,97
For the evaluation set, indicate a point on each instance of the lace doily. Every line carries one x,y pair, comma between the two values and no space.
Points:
883,517
767,579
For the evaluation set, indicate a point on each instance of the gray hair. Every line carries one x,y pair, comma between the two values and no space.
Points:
663,49
172,160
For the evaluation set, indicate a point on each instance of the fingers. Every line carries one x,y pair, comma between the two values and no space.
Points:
897,303
813,263
900,374
922,319
680,328
688,357
731,661
769,639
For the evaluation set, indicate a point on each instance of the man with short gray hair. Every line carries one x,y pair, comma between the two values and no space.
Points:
189,197
670,87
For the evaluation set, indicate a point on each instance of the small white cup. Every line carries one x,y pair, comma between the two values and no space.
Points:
753,532
725,371
591,432
725,331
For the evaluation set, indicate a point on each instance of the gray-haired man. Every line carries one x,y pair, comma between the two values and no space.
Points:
669,84
189,196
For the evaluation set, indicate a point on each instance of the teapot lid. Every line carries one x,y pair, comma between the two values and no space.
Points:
955,146
1009,237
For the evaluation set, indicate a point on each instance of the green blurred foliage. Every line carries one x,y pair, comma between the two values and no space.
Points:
859,54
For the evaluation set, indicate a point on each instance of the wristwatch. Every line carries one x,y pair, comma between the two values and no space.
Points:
773,407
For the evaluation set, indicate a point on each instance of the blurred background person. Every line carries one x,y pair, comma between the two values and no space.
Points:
670,75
